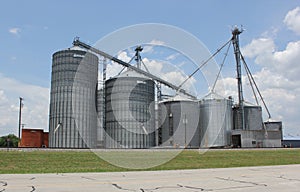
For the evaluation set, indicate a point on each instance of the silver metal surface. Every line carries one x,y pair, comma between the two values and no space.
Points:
73,99
215,121
273,125
253,117
130,118
179,126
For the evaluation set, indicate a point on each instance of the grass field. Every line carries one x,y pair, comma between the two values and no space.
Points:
84,161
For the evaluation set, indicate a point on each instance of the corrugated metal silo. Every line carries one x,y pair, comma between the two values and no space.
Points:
73,117
252,117
130,119
179,126
215,121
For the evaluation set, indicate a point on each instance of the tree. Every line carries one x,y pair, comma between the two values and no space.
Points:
10,139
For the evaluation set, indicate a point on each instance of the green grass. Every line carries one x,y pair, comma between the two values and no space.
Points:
72,161
235,158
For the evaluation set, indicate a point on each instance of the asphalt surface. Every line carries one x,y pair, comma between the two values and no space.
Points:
254,179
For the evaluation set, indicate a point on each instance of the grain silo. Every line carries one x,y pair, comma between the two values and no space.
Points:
73,116
252,117
179,126
215,121
129,107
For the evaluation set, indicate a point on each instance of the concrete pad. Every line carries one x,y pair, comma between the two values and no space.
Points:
269,178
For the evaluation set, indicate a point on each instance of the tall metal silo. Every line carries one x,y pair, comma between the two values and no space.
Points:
215,121
73,117
180,123
130,118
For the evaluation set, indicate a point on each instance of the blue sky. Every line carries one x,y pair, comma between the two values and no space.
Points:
31,31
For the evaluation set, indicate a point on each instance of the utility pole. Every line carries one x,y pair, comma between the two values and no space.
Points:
235,41
20,116
185,121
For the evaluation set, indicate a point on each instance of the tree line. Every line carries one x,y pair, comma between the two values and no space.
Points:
9,141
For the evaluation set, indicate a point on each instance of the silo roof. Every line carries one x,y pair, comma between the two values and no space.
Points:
179,97
77,48
213,95
131,73
248,104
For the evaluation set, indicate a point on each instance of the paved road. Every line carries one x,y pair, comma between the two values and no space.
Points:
254,179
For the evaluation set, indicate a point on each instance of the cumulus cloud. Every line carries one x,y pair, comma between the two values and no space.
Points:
269,79
112,69
170,73
292,20
154,66
35,110
124,56
284,61
261,49
287,61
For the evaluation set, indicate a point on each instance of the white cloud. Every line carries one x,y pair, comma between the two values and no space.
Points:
147,49
35,110
123,56
157,42
261,49
113,69
155,67
176,78
230,85
287,61
169,73
280,94
15,31
292,20
173,56
268,79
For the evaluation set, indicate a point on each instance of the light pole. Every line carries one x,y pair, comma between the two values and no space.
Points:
185,122
20,116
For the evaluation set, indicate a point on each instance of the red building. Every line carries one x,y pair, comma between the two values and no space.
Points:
34,138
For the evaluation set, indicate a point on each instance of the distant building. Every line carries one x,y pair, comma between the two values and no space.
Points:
34,138
292,143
